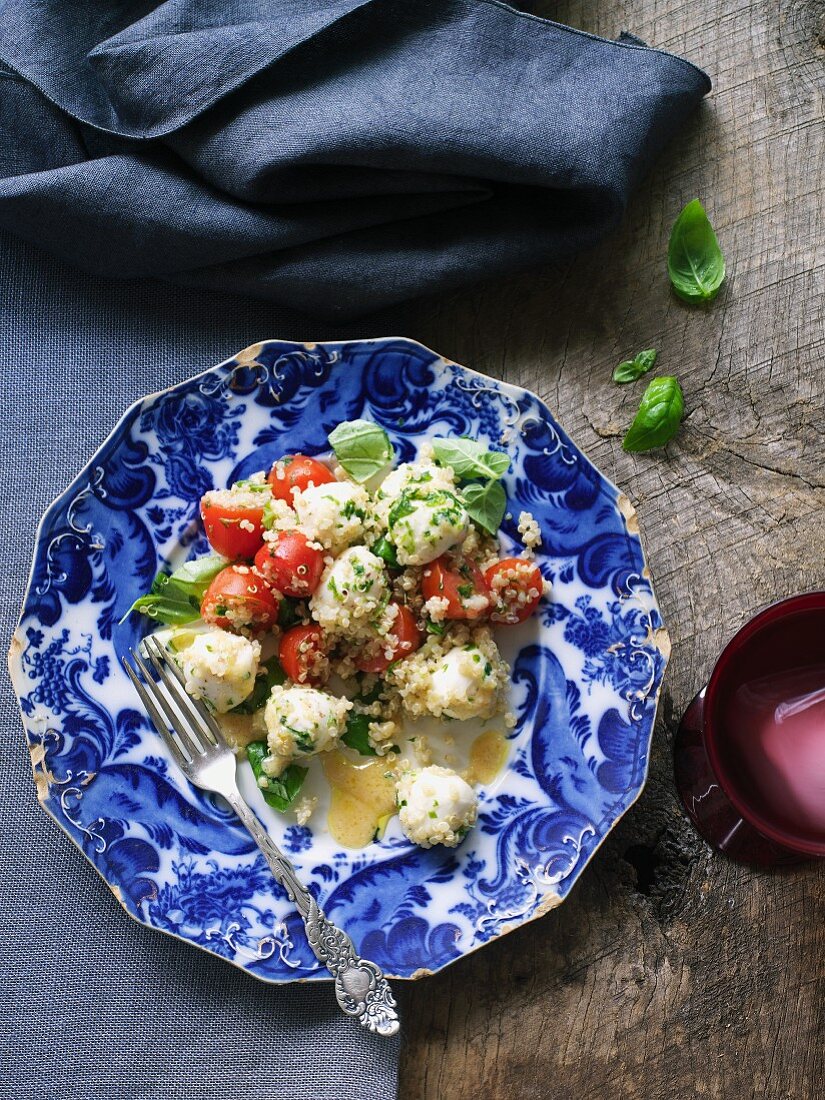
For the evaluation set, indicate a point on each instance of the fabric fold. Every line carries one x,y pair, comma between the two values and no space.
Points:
381,148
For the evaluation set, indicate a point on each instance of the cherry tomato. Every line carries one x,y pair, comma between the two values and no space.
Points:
302,655
409,640
296,472
240,590
290,564
516,587
460,583
234,531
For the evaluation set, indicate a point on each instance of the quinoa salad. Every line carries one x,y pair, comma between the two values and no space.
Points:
345,630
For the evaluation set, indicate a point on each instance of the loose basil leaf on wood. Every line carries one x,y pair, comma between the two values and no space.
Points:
470,459
634,368
362,448
659,416
694,259
176,598
486,504
279,792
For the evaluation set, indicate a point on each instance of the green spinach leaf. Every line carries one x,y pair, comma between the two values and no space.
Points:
694,259
362,448
659,416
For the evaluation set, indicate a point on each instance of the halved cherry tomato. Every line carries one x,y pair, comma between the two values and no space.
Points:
296,472
460,583
516,587
404,628
239,598
302,655
234,531
290,564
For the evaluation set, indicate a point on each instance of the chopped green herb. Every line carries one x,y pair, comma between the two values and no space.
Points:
270,514
253,486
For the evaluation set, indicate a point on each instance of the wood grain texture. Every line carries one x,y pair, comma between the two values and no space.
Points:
671,972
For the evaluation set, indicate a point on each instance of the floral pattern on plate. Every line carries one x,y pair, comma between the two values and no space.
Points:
586,672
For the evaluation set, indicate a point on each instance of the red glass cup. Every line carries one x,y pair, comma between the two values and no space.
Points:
750,750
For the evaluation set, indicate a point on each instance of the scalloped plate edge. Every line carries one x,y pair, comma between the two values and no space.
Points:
550,899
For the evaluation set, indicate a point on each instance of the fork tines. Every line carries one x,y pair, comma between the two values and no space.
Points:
184,723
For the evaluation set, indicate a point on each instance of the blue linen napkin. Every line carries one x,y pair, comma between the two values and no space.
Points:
331,155
93,1005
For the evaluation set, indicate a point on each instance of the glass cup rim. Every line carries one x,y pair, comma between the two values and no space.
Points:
801,602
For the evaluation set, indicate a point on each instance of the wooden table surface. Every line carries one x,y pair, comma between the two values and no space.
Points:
671,972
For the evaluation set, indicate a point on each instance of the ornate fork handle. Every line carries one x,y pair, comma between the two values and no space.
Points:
361,989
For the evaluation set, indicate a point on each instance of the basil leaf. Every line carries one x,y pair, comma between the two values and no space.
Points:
269,674
269,515
176,598
694,259
384,549
371,696
634,368
470,459
165,610
362,448
280,792
288,613
357,734
660,413
486,504
198,573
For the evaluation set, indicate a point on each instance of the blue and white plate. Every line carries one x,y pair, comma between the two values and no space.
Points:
586,675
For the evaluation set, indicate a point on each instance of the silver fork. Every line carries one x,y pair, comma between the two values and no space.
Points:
196,742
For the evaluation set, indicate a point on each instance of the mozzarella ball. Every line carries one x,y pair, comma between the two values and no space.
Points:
220,668
425,523
353,591
302,721
423,474
464,684
460,675
332,514
436,806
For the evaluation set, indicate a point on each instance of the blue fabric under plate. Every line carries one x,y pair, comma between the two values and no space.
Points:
331,155
95,1006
